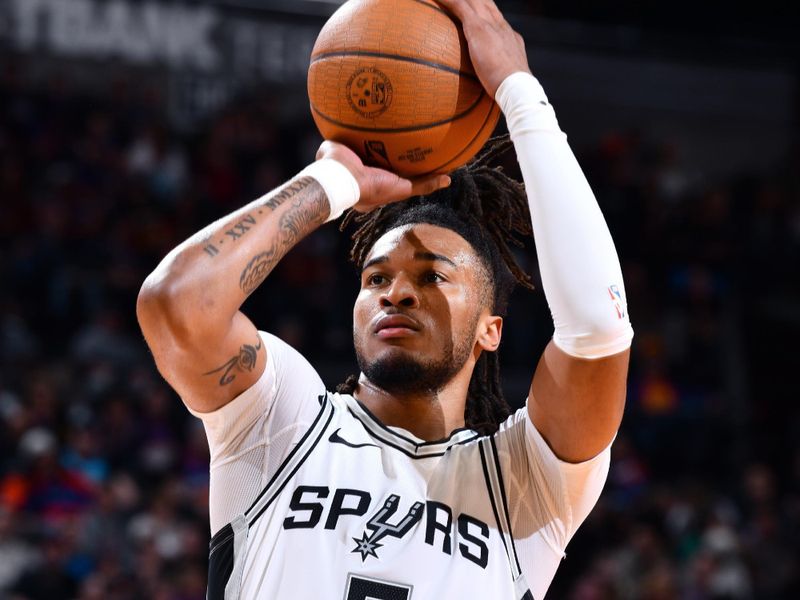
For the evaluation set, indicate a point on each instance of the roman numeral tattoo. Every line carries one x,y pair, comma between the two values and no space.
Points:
242,362
242,227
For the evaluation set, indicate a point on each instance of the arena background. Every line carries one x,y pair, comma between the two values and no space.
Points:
125,126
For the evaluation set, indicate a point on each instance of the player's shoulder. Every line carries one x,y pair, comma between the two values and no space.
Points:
514,429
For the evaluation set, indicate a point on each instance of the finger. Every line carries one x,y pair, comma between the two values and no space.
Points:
428,185
384,190
389,188
405,188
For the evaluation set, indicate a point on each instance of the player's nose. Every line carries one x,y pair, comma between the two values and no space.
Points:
401,292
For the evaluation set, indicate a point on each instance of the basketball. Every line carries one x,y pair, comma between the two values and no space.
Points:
392,80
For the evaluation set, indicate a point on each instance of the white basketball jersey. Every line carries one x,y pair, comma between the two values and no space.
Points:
356,510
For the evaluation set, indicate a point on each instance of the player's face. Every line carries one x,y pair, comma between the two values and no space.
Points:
416,318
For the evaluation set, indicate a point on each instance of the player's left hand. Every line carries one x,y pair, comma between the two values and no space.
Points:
496,50
378,186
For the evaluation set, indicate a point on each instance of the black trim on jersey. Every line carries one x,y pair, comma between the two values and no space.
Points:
504,500
380,424
527,596
299,464
219,538
220,562
286,460
413,449
488,479
406,452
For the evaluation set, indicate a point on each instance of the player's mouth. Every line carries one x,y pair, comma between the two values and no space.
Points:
393,326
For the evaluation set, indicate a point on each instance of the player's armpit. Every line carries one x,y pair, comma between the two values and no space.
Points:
576,403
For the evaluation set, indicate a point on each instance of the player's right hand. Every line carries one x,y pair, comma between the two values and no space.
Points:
378,186
495,49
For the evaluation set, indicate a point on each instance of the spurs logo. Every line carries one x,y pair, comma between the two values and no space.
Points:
380,527
313,506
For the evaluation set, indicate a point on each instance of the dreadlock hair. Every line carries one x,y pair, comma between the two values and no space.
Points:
489,210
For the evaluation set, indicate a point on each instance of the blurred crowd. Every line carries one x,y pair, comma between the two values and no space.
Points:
104,475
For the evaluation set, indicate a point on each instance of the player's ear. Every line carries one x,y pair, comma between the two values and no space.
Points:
490,330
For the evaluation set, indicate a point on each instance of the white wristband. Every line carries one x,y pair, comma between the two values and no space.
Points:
337,181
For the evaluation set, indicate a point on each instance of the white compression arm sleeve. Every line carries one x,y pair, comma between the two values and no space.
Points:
580,270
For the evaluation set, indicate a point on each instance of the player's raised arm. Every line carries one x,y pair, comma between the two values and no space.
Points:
188,307
578,391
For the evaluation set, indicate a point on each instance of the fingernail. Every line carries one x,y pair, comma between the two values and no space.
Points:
445,181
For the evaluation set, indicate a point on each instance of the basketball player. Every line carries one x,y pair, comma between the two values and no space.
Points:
412,481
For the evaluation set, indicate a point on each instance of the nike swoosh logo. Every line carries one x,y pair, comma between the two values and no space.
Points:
337,439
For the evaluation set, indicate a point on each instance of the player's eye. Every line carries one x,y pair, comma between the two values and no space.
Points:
376,279
433,277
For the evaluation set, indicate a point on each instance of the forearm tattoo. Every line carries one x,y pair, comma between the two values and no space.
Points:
257,270
243,362
248,221
289,192
239,229
302,217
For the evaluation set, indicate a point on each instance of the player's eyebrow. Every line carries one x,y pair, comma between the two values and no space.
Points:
432,256
428,256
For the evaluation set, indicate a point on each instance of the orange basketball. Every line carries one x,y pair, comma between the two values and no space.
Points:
392,80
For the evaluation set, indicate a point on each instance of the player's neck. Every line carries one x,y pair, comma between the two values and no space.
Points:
429,416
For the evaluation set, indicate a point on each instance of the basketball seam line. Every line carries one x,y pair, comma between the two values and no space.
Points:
401,129
464,150
418,61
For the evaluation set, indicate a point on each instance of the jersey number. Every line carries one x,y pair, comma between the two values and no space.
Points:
365,588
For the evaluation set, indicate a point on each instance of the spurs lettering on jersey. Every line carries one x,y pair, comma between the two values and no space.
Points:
307,509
